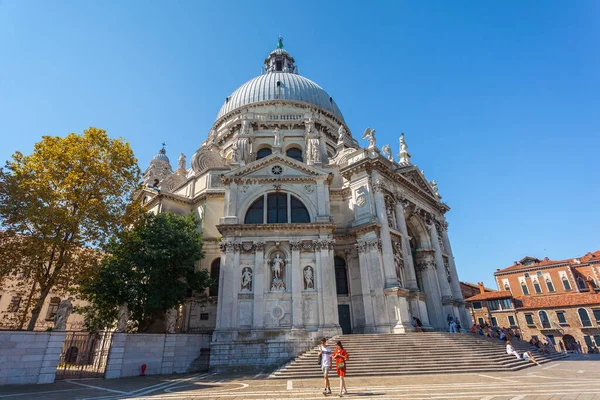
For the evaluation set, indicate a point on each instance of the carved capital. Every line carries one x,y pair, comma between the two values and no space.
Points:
226,246
296,245
259,246
361,247
237,246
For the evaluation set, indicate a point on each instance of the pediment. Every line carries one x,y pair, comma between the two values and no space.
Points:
417,178
276,166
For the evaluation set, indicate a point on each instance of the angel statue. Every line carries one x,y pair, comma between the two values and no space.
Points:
370,136
434,186
387,151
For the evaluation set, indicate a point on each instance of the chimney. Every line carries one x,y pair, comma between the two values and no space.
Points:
588,282
481,287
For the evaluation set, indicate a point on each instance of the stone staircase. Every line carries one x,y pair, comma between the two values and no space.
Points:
416,353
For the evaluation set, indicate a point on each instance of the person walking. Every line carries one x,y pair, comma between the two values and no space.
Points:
325,353
417,324
340,355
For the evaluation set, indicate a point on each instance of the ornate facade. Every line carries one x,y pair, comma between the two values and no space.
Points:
308,233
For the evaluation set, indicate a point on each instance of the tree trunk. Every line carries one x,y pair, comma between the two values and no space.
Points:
35,313
26,311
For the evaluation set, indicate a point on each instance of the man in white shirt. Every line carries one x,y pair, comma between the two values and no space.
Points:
511,350
325,355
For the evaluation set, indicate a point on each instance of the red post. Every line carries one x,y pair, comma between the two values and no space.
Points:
143,369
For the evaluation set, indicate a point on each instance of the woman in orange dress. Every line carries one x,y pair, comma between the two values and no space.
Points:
340,356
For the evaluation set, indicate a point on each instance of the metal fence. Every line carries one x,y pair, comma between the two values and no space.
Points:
84,355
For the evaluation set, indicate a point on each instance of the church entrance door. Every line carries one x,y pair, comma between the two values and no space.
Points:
570,343
344,316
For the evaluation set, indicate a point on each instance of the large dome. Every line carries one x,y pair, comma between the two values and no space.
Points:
291,87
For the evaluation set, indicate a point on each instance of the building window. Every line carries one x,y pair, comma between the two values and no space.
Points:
537,287
551,338
215,271
506,304
294,153
597,316
566,283
494,321
539,273
585,317
256,212
277,210
506,287
15,302
529,319
52,308
511,321
524,288
544,319
526,274
481,321
341,276
262,153
476,305
561,317
593,282
581,284
493,305
597,340
550,285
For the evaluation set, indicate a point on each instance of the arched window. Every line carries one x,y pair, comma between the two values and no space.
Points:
506,287
52,308
550,285
215,271
524,288
581,283
584,317
536,286
566,283
277,211
262,153
294,153
544,319
341,276
281,208
593,282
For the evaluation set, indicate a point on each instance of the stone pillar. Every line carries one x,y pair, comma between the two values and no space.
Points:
324,251
356,296
409,265
226,277
391,279
367,296
446,292
236,283
319,285
259,286
465,317
426,264
296,276
374,261
322,201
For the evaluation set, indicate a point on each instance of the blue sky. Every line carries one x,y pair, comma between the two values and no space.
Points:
498,100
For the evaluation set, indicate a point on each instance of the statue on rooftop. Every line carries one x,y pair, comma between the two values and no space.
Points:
370,136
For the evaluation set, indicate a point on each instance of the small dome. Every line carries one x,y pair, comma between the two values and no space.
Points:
161,156
291,87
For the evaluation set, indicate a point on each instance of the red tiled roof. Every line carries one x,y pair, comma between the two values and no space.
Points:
542,263
560,300
474,286
490,296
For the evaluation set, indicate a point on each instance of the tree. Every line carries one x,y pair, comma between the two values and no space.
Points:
60,204
151,268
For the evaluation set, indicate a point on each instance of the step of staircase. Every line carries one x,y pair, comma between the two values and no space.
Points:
416,353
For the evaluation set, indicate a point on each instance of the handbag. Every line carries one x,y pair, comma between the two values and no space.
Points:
341,365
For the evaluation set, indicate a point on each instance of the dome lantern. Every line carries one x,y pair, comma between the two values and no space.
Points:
280,60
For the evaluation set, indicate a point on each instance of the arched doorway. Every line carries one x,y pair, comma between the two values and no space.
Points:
341,286
570,342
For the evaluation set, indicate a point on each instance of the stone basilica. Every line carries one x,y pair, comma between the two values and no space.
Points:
308,233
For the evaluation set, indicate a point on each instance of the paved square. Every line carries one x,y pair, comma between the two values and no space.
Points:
575,378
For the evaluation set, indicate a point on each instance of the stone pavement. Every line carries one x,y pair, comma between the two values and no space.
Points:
577,377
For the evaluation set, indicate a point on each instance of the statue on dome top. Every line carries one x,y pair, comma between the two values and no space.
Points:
280,42
181,161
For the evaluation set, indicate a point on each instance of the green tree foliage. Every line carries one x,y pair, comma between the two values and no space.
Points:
152,268
59,204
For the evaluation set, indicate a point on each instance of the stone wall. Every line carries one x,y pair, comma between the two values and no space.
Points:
247,355
29,357
162,353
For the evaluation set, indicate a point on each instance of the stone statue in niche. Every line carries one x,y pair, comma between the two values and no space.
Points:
65,308
122,318
277,140
235,154
246,280
309,278
277,273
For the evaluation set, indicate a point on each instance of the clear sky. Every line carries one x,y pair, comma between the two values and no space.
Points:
499,101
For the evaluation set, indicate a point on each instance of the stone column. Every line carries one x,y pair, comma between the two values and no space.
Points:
356,296
236,283
367,297
319,286
465,317
259,286
409,265
377,279
226,277
391,279
426,263
330,312
446,292
296,276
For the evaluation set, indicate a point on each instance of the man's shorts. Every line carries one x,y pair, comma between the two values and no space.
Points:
325,369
